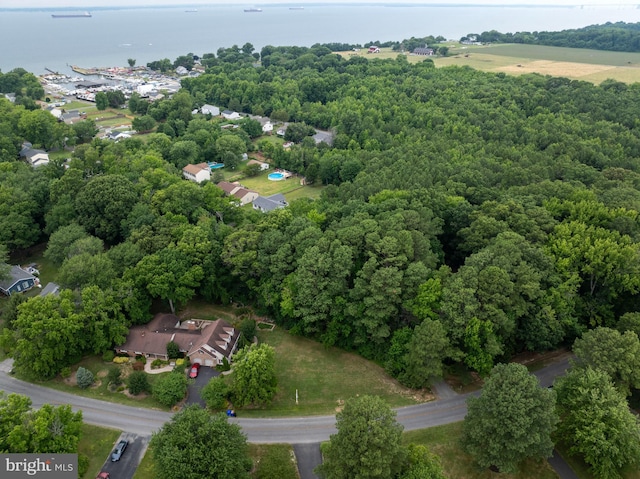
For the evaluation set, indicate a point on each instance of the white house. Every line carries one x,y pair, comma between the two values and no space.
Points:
182,70
33,156
267,127
231,115
210,110
197,173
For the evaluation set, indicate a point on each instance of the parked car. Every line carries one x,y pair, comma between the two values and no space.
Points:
103,475
195,367
119,450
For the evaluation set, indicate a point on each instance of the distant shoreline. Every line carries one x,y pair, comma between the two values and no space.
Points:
318,5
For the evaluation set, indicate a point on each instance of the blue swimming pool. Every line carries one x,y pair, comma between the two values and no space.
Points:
276,176
215,166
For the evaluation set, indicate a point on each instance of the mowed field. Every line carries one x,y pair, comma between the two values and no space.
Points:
576,63
593,66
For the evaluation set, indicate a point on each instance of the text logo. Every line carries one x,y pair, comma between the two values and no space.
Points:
45,466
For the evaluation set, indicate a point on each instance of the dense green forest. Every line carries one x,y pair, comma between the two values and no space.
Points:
617,37
467,216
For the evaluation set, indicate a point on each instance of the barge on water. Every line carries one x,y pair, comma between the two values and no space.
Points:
71,15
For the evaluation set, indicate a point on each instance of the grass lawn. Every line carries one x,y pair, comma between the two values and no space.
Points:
324,378
273,460
263,185
99,390
306,191
96,443
277,458
385,54
80,105
146,469
445,442
201,309
575,63
582,469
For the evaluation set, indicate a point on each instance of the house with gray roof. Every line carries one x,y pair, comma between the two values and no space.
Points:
34,156
231,115
71,117
269,203
323,137
19,280
210,110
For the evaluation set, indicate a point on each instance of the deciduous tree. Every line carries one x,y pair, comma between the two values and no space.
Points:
617,354
170,388
512,420
195,444
254,375
596,422
367,444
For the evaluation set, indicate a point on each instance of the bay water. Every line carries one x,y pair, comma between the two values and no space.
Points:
35,41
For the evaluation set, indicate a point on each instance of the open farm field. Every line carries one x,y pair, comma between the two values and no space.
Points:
593,66
576,63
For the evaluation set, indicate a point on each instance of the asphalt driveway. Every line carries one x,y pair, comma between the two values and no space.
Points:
126,467
193,390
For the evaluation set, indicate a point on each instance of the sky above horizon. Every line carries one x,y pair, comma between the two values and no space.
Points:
87,4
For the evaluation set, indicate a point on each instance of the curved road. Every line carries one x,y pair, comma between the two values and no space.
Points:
294,430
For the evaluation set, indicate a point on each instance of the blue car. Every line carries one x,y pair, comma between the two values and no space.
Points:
119,450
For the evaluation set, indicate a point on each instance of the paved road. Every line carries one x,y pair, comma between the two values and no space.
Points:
304,432
294,430
559,465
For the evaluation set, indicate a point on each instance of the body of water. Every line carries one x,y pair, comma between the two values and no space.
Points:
33,40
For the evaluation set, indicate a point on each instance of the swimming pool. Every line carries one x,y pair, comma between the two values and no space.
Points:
276,176
215,166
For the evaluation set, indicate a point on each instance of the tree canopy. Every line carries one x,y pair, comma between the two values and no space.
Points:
195,444
367,444
511,420
596,422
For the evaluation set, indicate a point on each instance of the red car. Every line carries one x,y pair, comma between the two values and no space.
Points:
194,370
103,475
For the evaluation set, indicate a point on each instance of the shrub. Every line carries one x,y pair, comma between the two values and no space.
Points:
170,389
173,350
121,359
84,378
157,363
248,330
180,361
65,372
114,376
138,382
108,356
142,359
83,464
225,366
215,393
138,366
